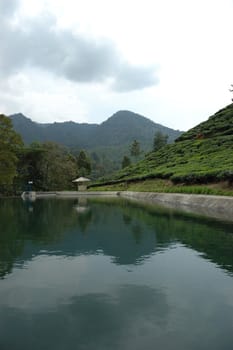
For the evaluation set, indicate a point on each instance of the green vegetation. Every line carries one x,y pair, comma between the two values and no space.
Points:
56,220
49,165
105,144
200,161
159,185
84,164
218,125
202,155
160,141
10,144
125,162
135,149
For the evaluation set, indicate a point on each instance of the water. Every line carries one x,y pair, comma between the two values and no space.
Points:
110,274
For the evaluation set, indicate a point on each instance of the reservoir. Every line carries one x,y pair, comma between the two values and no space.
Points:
96,274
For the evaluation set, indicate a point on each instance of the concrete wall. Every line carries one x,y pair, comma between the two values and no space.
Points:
75,194
220,207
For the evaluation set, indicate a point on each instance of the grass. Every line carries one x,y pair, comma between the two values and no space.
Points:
184,160
166,186
200,157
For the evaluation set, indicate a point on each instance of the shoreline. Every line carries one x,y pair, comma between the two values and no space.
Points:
74,194
218,207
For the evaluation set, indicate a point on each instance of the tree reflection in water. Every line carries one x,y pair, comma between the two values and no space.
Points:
127,232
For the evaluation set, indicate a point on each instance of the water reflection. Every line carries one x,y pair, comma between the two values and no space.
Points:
91,321
81,205
84,213
113,275
127,232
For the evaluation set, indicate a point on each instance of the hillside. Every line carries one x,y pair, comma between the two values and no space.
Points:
124,127
69,134
106,143
204,154
120,129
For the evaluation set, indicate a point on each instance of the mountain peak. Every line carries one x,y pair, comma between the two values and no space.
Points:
128,118
19,116
120,129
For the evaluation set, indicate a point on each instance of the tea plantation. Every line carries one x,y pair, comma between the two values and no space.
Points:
202,155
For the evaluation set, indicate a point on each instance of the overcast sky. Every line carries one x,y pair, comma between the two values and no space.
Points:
83,60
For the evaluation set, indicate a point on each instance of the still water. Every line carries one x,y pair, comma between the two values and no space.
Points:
111,274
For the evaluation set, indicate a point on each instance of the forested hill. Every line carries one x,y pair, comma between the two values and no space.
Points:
67,133
120,129
201,155
124,127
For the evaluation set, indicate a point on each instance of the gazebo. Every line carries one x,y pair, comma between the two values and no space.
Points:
82,183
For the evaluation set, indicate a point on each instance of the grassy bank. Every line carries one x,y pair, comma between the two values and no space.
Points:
200,161
158,185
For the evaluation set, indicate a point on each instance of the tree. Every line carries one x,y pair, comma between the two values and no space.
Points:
84,164
57,167
160,140
135,149
29,166
125,162
10,144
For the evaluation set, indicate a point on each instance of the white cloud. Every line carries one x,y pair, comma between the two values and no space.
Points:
41,44
180,51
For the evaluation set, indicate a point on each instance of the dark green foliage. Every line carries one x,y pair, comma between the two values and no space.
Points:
220,124
135,149
125,162
160,140
84,164
58,167
49,165
194,158
120,129
102,164
10,145
110,141
28,168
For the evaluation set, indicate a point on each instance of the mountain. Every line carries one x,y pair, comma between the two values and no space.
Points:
106,143
120,129
67,133
201,155
123,127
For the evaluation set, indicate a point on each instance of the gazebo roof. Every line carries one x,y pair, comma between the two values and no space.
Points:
81,179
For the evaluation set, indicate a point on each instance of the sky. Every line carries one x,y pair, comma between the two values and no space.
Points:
83,60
